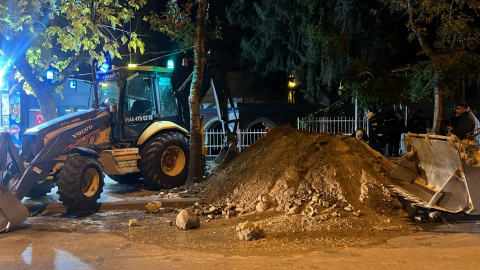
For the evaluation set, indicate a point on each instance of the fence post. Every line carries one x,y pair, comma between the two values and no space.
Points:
239,136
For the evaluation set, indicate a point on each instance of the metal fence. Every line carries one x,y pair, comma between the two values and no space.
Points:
337,125
214,140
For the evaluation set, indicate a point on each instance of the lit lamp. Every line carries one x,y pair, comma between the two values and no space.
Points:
104,67
170,64
49,75
292,83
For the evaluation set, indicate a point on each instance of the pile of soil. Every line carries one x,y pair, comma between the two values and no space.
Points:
310,177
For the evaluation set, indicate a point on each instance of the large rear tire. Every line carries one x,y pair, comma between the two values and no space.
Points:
80,182
126,178
165,159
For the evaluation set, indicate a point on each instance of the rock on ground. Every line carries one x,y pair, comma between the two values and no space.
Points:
153,207
250,231
132,222
186,219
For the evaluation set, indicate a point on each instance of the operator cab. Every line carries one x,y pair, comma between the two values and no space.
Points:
142,95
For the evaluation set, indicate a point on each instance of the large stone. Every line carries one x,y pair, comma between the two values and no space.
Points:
153,207
250,231
186,219
262,206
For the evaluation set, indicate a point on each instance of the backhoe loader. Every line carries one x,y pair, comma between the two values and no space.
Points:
440,173
135,132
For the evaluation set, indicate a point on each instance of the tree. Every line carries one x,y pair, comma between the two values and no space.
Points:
448,35
176,23
85,31
322,41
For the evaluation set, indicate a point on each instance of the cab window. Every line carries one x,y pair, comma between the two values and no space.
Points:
167,98
140,102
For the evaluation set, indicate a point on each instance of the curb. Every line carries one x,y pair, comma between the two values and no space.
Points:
112,206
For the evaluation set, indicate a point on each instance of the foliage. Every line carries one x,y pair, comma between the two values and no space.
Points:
176,22
84,30
321,41
448,33
421,82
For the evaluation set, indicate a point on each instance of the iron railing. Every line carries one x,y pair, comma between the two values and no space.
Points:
214,140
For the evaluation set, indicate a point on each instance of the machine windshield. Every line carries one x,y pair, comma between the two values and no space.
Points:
108,91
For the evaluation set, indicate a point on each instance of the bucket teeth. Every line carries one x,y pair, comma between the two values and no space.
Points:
408,196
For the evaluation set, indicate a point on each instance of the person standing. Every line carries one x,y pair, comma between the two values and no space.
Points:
465,122
376,132
416,124
390,122
399,130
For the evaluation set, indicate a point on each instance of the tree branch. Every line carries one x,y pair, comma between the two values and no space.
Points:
421,39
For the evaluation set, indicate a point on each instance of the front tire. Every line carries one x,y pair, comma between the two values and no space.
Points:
80,182
165,159
40,189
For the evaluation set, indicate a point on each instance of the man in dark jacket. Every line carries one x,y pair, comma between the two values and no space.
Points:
416,124
376,132
465,121
390,122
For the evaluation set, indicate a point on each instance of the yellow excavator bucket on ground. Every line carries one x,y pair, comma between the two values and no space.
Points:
440,172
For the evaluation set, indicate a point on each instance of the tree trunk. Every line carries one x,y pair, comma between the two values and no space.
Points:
95,85
47,105
195,169
438,92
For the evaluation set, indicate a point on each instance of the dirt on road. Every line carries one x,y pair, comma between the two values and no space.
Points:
319,185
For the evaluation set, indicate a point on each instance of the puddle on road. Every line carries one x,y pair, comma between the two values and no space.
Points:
218,236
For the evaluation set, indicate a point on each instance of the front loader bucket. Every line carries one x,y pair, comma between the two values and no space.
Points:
432,175
227,154
12,211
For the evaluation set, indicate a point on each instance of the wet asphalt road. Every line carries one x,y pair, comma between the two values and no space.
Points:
75,242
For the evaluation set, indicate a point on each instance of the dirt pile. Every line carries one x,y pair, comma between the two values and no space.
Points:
321,176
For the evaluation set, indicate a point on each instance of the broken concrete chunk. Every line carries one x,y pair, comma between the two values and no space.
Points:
229,207
262,206
132,222
250,231
348,208
186,219
298,202
153,207
314,199
294,210
175,190
169,222
212,217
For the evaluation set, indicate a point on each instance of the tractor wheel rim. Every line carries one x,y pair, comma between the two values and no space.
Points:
173,161
90,182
